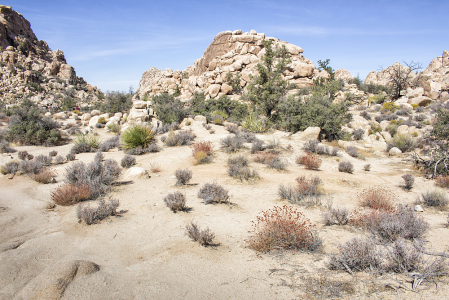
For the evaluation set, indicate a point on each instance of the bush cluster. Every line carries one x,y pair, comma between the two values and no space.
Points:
183,176
204,237
311,162
239,169
306,191
213,193
104,209
176,201
202,152
173,139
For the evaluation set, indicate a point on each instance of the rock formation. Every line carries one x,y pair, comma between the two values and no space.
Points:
29,69
230,52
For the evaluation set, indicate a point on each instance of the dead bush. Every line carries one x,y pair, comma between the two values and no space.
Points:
336,216
183,176
204,237
155,168
94,214
68,194
283,228
442,181
377,198
257,145
305,191
356,254
346,167
436,198
213,193
352,151
9,168
404,257
271,159
128,161
231,143
176,201
46,175
409,180
238,168
311,162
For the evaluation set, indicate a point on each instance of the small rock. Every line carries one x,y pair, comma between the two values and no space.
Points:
136,173
394,151
419,208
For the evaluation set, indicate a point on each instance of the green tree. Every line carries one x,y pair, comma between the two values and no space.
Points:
169,109
269,87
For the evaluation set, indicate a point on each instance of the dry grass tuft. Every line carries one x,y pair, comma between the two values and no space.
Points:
68,194
377,198
45,176
311,162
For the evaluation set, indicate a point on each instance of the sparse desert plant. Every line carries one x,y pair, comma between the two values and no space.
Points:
257,145
104,209
311,162
436,198
271,159
231,143
377,198
204,237
358,134
176,201
404,142
409,180
22,155
183,176
213,193
404,257
311,146
346,167
155,168
53,153
114,127
93,141
178,139
307,191
137,135
356,254
81,148
9,168
202,152
58,160
283,228
232,128
238,168
46,175
68,194
128,161
352,151
207,126
70,157
442,181
336,216
367,167
113,142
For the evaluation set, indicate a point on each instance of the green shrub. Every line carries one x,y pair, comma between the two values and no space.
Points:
315,110
137,135
116,102
390,106
91,140
374,129
101,120
405,142
169,109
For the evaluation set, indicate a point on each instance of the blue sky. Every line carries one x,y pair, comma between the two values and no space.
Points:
111,43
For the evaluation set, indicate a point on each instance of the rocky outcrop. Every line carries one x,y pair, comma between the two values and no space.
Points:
30,69
231,52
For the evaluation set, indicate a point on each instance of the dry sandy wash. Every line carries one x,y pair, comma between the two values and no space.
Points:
145,254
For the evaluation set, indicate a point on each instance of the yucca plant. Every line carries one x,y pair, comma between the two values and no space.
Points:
137,135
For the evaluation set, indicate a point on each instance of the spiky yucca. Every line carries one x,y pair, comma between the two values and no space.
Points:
137,135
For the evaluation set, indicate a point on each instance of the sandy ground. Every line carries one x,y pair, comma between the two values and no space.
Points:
145,254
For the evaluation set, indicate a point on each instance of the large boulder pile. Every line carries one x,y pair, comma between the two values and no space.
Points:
231,52
29,68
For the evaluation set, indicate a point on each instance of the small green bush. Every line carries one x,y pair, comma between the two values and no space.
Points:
102,120
390,106
169,109
91,140
137,135
405,142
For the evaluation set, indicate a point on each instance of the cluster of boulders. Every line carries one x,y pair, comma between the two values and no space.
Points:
30,69
231,52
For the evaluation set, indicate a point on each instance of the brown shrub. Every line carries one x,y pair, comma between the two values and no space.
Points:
204,237
442,181
45,176
311,162
202,152
155,168
377,198
283,228
265,157
68,194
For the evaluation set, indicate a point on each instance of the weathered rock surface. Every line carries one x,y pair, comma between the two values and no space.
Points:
230,52
30,68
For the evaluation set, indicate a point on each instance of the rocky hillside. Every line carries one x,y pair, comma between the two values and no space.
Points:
230,52
29,69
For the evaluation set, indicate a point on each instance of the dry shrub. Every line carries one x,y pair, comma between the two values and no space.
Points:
213,193
155,168
9,168
377,198
283,228
45,176
204,237
403,257
128,161
202,152
311,162
231,143
409,180
183,176
436,198
336,216
442,181
367,167
352,151
68,194
176,201
270,159
346,167
307,191
238,168
91,215
356,254
308,187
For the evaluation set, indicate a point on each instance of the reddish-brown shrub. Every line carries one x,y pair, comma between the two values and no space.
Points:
265,157
283,228
442,181
311,162
45,176
308,187
377,198
68,194
202,152
155,168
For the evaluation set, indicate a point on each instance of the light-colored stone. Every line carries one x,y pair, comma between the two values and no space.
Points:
93,121
226,89
140,104
136,173
95,112
394,151
86,117
419,208
311,133
421,101
201,119
213,90
60,115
